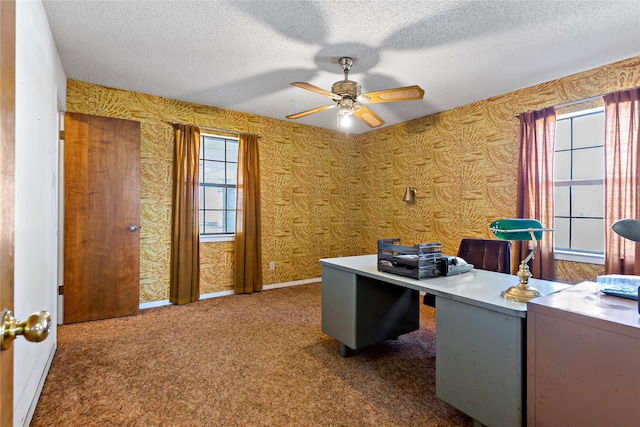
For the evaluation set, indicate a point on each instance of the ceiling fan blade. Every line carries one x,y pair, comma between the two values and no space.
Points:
369,117
407,93
312,88
313,110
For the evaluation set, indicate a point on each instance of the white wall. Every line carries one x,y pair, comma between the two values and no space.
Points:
40,93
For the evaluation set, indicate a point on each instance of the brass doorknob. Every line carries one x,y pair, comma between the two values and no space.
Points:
34,329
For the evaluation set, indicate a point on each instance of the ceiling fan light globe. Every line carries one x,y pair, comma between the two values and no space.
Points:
345,120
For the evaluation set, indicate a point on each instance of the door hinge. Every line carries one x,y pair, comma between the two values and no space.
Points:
62,135
61,290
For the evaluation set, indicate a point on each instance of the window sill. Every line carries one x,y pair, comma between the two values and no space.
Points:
218,238
583,257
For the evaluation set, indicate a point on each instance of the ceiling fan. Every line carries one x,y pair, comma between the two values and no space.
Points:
346,95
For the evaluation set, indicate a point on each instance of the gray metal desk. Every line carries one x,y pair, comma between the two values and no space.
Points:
480,336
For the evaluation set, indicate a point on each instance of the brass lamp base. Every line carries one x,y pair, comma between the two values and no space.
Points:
523,292
520,294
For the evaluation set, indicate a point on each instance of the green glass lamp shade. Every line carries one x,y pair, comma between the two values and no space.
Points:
516,228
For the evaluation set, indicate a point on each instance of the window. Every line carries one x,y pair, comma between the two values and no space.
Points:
579,183
218,169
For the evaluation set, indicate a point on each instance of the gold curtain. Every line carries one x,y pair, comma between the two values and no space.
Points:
536,187
622,184
185,233
248,244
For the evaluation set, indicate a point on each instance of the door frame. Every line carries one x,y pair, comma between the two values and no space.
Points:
60,269
7,189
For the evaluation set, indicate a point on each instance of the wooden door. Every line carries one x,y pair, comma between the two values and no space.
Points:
7,204
101,217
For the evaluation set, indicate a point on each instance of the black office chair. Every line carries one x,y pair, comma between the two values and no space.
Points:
487,254
484,254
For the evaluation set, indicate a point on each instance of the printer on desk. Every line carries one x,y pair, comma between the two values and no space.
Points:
450,265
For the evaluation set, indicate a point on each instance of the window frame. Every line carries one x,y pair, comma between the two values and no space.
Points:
215,237
577,255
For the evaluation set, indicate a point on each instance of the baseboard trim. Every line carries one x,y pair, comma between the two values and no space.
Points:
36,397
162,303
294,283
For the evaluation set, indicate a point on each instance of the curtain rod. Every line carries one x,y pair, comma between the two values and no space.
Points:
579,101
210,128
568,104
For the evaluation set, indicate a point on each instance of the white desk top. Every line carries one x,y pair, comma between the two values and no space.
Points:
477,287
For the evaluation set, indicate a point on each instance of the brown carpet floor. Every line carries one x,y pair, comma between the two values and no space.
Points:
243,360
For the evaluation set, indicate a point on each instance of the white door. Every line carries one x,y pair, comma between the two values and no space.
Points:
36,198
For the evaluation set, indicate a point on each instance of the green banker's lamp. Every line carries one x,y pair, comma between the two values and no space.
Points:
520,229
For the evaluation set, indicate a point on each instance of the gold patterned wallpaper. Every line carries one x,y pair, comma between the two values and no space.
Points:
463,162
310,210
328,194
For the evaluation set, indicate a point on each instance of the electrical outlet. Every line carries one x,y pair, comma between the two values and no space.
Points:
272,265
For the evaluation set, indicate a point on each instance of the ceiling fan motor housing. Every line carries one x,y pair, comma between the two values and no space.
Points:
346,88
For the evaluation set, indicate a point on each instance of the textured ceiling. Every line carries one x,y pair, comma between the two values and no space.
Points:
243,55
